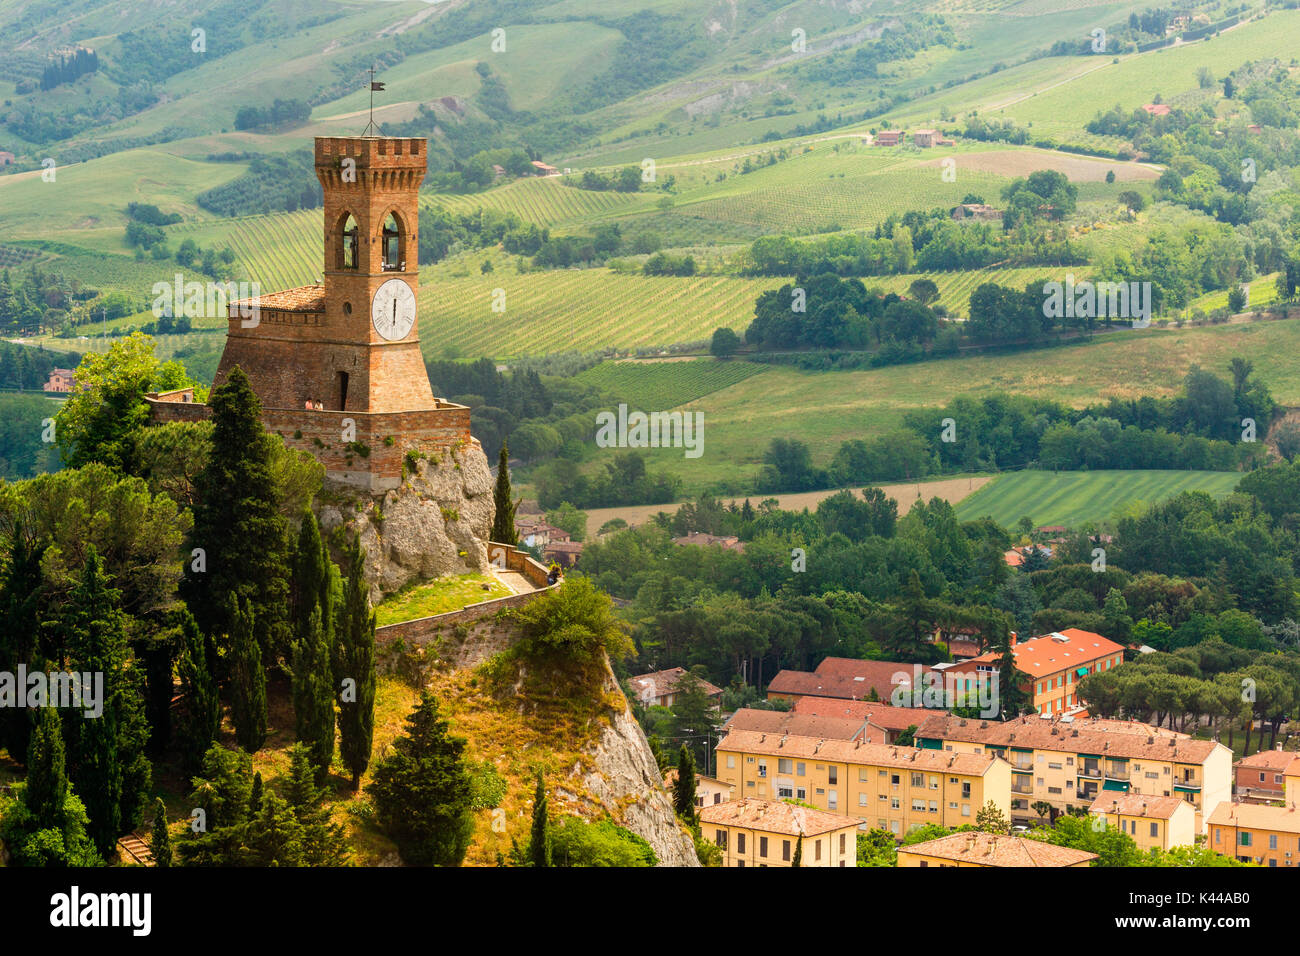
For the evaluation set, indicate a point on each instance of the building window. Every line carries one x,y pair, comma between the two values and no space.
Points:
348,244
720,838
965,789
832,775
894,804
817,849
785,791
1155,829
762,846
862,775
801,793
784,765
391,245
1243,839
1272,841
862,799
934,806
965,809
799,770
762,768
832,799
731,761
785,850
918,780
740,843
842,843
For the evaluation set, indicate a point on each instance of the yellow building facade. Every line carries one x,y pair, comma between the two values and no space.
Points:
1153,822
1069,764
881,786
1256,833
766,833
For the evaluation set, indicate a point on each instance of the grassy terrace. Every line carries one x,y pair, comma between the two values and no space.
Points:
437,597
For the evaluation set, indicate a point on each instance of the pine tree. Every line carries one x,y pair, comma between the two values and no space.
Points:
248,680
274,835
160,845
422,791
223,794
322,841
46,824
798,852
684,786
539,842
503,519
238,524
991,820
201,720
354,668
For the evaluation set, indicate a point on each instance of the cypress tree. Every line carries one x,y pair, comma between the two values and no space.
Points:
47,777
798,852
313,701
248,680
238,524
160,843
503,518
255,795
539,844
108,768
684,785
20,596
200,723
354,668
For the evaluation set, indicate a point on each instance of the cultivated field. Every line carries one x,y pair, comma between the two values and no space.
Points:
952,490
1073,497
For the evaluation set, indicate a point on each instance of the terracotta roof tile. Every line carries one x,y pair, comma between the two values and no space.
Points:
988,849
1137,805
775,817
854,752
1256,816
1088,735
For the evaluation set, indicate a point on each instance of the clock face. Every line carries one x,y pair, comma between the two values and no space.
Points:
393,311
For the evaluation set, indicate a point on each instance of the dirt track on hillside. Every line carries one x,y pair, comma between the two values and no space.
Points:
951,489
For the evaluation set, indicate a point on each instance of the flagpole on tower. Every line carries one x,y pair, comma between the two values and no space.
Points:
374,87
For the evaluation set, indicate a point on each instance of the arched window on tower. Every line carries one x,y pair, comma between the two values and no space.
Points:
348,250
390,245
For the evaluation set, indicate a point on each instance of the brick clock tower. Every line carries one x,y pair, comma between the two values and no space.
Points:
337,366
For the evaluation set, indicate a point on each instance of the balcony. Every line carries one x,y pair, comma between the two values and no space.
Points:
1117,773
1189,785
1027,765
1092,772
1026,787
1088,795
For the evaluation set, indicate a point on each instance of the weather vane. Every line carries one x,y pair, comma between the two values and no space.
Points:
374,87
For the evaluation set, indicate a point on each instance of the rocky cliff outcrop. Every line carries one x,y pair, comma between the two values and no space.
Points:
623,775
436,523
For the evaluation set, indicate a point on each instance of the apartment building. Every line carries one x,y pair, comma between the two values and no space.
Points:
708,790
893,720
880,786
1070,762
1052,665
1256,833
1152,822
974,848
766,833
1261,777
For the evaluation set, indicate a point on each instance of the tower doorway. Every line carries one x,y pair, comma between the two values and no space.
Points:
343,391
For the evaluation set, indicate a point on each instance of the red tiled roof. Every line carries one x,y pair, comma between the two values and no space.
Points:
662,683
774,817
307,298
882,715
988,849
831,727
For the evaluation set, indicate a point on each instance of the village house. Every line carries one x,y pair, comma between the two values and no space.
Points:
708,790
1157,109
976,212
7,158
1255,833
659,688
891,788
730,542
1261,777
844,678
976,848
766,833
61,380
563,553
1153,822
925,138
888,137
542,169
1069,762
